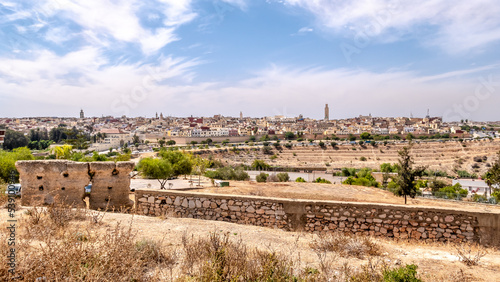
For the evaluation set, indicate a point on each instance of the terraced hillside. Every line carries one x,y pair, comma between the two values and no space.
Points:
472,156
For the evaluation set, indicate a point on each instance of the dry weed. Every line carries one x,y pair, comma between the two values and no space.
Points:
346,245
470,254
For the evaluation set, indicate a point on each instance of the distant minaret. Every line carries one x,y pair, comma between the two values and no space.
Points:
428,116
327,112
241,115
81,114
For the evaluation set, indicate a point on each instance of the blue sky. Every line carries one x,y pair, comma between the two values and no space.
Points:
264,58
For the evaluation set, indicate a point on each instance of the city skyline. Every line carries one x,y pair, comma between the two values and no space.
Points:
264,58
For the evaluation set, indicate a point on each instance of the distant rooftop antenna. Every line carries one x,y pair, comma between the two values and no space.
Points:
428,116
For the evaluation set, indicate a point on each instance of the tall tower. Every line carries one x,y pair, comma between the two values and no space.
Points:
241,115
327,112
81,114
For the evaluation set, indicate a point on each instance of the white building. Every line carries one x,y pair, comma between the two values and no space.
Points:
115,138
474,186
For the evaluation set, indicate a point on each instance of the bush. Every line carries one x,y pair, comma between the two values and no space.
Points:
267,150
363,159
465,174
260,165
452,192
346,245
272,178
228,173
283,177
479,198
321,180
262,177
300,179
405,273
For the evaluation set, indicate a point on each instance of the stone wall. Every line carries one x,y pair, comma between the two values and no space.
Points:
393,221
43,182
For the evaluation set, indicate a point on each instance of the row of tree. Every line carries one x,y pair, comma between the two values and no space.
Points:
40,139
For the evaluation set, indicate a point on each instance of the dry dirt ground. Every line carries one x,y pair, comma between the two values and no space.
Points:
436,262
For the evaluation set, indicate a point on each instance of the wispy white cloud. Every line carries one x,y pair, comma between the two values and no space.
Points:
110,20
349,92
457,26
242,4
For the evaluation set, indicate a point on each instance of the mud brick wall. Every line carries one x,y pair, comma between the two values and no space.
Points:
110,185
45,181
385,220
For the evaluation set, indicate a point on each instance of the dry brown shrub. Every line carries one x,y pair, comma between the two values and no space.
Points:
221,258
346,245
470,254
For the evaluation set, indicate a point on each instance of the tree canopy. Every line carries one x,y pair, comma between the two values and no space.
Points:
159,169
8,161
493,175
407,175
14,139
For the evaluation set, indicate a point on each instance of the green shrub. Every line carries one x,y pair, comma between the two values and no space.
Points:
260,165
321,180
262,177
405,273
283,177
228,173
479,198
300,179
363,159
451,192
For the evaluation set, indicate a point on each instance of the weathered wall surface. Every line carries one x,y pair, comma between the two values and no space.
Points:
110,185
45,181
393,221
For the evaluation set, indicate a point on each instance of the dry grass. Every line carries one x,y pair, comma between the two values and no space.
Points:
58,243
346,245
470,254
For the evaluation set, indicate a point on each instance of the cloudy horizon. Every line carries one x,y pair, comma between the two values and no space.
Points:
263,58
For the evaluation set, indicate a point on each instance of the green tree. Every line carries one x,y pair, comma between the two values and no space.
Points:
264,138
161,142
260,165
14,139
289,135
365,136
199,167
407,175
159,169
182,163
62,152
492,177
8,161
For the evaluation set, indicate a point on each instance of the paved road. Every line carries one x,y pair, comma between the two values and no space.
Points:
179,183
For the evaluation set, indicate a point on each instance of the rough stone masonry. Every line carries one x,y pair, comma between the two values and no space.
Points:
385,220
45,181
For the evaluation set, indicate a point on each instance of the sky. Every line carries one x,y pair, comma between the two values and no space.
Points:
263,58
